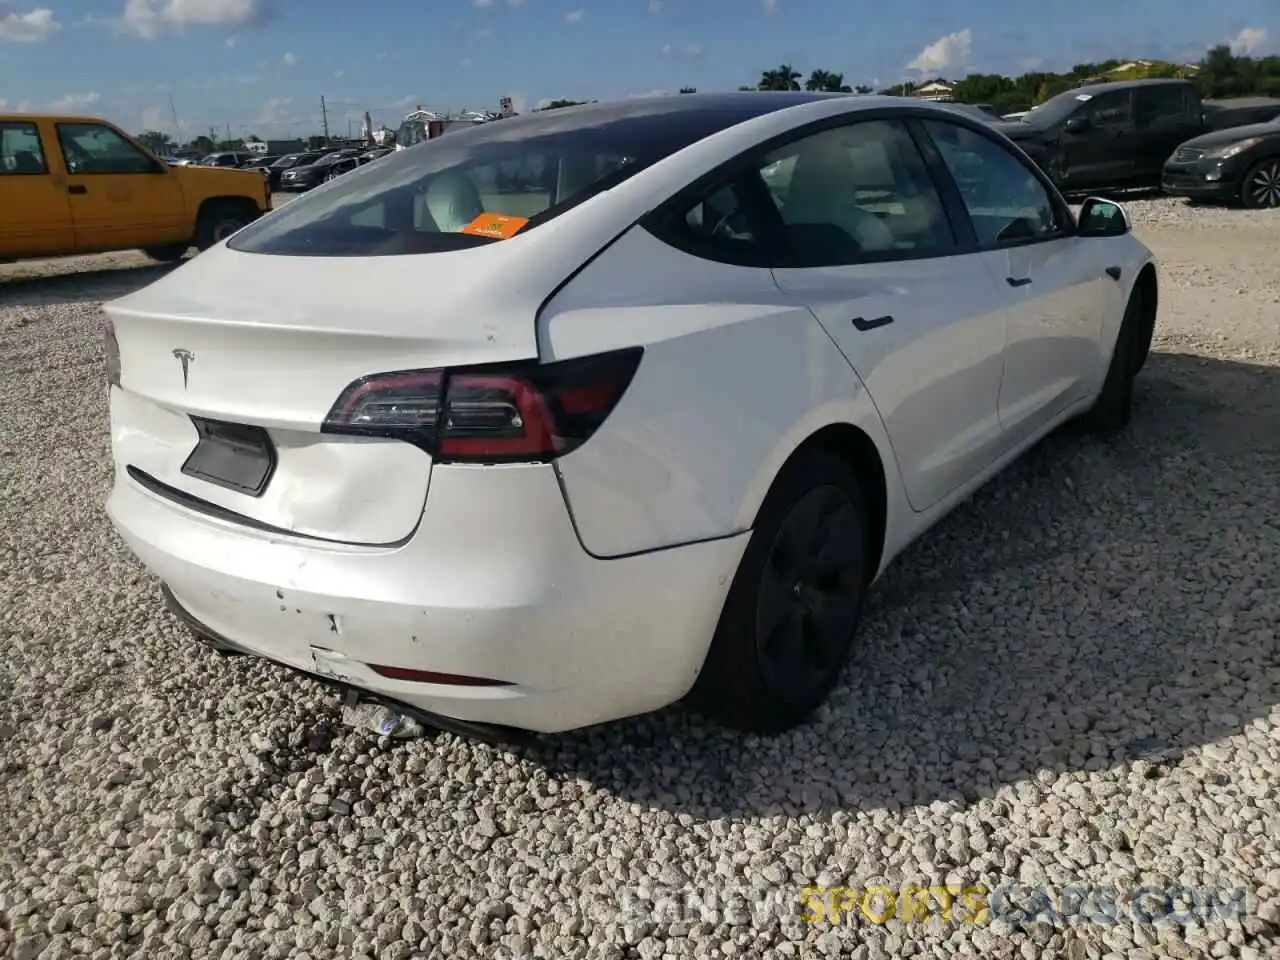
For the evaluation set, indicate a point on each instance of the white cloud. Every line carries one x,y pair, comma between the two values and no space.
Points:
339,74
273,112
482,3
944,54
149,18
4,104
1249,42
655,6
484,34
770,7
30,27
289,59
690,50
152,118
574,16
75,102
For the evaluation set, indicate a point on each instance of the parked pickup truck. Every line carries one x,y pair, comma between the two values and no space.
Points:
1118,135
71,185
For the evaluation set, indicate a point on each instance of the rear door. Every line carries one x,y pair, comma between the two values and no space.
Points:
876,258
1028,238
120,195
35,211
1164,116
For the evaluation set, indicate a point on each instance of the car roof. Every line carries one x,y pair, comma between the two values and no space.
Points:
1096,89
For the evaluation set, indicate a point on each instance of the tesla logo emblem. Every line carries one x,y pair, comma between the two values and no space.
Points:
186,358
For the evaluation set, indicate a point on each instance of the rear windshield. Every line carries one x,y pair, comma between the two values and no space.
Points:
485,182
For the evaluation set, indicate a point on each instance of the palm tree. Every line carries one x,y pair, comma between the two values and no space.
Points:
783,78
824,81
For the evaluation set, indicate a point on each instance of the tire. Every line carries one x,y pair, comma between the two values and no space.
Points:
167,254
805,573
1260,187
1113,409
219,220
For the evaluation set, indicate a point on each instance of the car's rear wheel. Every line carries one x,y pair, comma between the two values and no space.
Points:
1112,410
169,253
793,608
219,220
1261,185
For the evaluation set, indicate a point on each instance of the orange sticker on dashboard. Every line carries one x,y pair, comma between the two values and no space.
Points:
496,225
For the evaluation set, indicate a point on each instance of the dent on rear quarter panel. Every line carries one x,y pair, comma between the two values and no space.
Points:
734,377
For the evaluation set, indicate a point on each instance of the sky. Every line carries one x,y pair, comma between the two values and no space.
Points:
261,66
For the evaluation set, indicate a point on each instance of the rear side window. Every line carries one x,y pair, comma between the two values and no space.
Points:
20,149
1155,104
845,195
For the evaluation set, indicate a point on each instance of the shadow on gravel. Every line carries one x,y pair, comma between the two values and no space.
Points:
78,285
1127,614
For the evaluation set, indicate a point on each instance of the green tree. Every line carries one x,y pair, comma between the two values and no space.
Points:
155,141
824,81
746,88
781,78
688,89
863,89
203,144
557,104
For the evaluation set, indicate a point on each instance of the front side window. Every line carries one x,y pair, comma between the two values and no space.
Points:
1006,202
1108,109
20,149
90,148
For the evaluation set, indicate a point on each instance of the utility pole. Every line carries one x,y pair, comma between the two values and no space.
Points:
228,133
324,119
177,127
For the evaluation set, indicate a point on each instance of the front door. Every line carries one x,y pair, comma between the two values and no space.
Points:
1055,319
35,212
120,196
1104,152
878,263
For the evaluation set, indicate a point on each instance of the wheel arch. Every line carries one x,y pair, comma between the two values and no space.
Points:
856,448
1146,286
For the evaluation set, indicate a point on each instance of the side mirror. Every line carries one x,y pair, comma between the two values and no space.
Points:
1076,125
1102,218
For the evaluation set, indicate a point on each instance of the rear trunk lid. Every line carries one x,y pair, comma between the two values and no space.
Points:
270,342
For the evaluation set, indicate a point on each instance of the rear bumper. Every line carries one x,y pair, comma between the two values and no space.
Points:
494,584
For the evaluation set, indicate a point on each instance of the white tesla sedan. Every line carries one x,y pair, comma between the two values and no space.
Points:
565,418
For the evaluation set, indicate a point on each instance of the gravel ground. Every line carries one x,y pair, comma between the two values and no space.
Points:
1072,681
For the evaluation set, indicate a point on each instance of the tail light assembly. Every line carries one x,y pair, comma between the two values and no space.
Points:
495,413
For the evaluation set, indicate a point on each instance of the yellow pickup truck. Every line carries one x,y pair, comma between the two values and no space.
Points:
72,185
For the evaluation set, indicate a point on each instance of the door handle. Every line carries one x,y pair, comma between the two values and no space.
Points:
77,188
1017,281
865,325
1114,273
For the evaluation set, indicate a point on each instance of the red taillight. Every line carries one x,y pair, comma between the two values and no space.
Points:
112,347
491,414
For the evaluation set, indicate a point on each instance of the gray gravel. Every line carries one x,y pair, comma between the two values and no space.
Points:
1073,681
